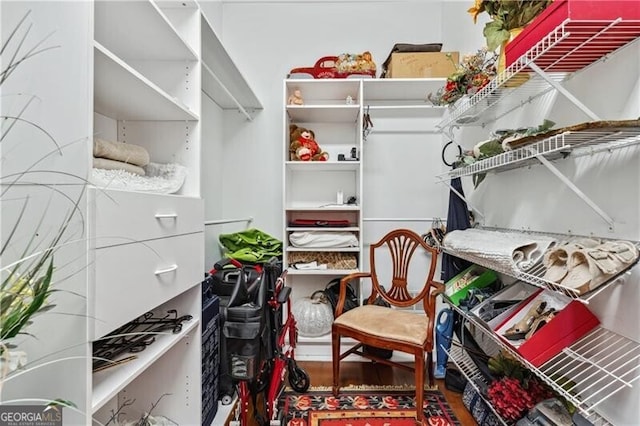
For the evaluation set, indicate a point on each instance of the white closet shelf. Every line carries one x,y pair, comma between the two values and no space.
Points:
313,272
325,166
394,90
322,229
139,30
107,383
122,93
570,47
404,110
552,148
586,373
324,249
331,113
331,91
327,208
535,275
222,80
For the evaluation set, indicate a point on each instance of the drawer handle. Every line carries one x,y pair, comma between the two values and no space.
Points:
166,215
164,271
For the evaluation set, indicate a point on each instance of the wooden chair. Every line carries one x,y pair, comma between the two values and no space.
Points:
390,328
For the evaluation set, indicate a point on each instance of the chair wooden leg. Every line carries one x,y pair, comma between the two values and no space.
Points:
430,376
419,370
335,357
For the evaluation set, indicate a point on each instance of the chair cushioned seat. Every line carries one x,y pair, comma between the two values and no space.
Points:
388,323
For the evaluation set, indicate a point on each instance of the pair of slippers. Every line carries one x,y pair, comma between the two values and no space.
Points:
585,264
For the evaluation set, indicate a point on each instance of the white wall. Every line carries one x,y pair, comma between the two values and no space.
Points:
268,39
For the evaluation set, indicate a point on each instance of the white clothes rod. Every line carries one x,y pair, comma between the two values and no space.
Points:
235,101
403,219
406,132
223,221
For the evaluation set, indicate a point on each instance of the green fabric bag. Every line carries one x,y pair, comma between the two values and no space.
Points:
251,245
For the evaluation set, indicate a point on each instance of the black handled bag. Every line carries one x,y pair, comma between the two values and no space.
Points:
332,293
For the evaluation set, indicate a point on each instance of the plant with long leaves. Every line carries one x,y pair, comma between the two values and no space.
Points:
26,282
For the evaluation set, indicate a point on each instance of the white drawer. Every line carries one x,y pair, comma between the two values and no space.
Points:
121,217
132,279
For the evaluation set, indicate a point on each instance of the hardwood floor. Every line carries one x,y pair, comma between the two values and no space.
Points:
368,373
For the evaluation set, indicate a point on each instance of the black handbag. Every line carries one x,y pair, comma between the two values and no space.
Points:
332,293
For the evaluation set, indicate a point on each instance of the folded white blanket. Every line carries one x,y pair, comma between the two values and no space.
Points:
314,239
513,251
125,152
159,178
107,164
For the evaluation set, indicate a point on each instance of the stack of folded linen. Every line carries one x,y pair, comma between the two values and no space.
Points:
503,250
317,239
110,155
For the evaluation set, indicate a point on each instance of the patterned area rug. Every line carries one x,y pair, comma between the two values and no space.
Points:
363,406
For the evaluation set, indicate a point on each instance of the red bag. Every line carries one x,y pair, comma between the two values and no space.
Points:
321,223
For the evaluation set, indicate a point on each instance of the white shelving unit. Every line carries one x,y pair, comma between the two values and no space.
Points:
535,275
552,148
336,125
567,49
127,72
146,92
602,363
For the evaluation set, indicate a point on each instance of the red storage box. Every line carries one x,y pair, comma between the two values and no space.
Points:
587,30
572,322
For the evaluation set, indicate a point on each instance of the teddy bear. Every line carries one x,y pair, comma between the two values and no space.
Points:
303,146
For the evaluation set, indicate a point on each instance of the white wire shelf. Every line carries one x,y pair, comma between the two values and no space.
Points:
552,148
467,367
535,275
570,47
586,373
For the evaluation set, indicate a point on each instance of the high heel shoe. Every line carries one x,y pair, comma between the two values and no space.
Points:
519,330
540,321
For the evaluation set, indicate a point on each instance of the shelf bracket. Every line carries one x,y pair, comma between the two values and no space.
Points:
560,88
462,197
553,169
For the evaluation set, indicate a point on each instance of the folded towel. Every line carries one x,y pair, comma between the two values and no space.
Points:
107,164
513,251
315,239
125,152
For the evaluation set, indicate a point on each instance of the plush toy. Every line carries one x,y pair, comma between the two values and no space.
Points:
303,147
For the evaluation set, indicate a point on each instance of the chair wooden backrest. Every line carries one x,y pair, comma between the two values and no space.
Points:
402,245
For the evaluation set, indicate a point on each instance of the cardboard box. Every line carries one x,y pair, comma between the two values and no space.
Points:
474,276
572,322
583,19
423,64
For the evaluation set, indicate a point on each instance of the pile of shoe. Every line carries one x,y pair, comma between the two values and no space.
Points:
585,264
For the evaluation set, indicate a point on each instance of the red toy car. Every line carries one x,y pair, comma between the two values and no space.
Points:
327,67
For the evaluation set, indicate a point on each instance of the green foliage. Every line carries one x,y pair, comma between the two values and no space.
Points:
506,15
21,298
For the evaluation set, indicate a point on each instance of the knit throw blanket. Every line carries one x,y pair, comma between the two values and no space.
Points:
507,251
